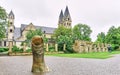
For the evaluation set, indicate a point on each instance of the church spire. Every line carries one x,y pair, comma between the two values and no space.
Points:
67,14
65,20
60,18
11,15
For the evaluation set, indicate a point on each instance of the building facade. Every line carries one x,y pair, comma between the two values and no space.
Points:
18,34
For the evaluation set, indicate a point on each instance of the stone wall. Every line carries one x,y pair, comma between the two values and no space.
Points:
86,46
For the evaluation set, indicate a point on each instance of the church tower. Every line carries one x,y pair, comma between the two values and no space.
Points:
65,19
11,27
60,22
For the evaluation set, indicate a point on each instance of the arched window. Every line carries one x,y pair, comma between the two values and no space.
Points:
11,30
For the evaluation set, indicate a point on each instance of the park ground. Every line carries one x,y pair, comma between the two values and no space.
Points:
21,65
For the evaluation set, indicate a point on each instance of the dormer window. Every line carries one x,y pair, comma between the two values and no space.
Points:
11,30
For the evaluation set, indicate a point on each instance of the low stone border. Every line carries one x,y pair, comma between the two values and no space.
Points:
25,54
19,54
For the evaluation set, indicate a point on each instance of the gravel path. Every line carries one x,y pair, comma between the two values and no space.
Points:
21,65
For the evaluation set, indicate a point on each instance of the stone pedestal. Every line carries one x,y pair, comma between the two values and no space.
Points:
38,55
56,47
64,47
10,46
24,47
47,48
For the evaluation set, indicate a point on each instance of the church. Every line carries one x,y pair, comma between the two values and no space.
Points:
17,35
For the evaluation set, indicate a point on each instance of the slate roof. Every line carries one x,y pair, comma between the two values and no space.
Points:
66,13
17,33
48,30
11,14
61,16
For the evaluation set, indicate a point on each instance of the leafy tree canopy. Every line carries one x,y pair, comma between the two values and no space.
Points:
3,22
113,35
32,33
82,32
101,38
61,30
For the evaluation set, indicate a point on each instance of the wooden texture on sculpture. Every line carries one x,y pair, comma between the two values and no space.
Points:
38,55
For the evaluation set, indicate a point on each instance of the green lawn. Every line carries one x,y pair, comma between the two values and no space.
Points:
97,55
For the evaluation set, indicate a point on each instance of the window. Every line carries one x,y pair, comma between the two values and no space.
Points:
4,43
0,43
10,30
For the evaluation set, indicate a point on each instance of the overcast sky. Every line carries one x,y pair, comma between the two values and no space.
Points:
100,15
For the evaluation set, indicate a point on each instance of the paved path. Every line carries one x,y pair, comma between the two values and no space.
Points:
21,65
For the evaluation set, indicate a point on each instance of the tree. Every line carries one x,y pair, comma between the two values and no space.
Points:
113,37
63,36
61,30
3,22
32,33
82,32
101,38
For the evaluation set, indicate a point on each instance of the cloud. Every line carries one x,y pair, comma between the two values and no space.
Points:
98,14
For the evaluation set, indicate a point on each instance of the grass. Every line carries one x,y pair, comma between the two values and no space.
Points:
97,55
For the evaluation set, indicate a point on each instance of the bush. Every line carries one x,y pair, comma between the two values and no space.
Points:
115,46
51,48
3,49
16,49
28,50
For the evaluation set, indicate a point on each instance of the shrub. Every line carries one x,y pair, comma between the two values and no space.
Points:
28,50
51,48
3,49
115,46
16,49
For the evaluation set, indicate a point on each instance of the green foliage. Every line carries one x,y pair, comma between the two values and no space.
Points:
29,50
115,46
82,32
61,30
3,22
45,40
51,48
113,36
3,49
64,36
32,33
16,49
101,38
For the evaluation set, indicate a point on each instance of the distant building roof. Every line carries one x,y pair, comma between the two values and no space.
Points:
18,31
48,30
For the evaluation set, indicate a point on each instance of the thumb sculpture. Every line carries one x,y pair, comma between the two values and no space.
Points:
38,55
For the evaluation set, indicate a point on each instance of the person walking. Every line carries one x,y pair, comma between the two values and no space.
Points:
109,48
